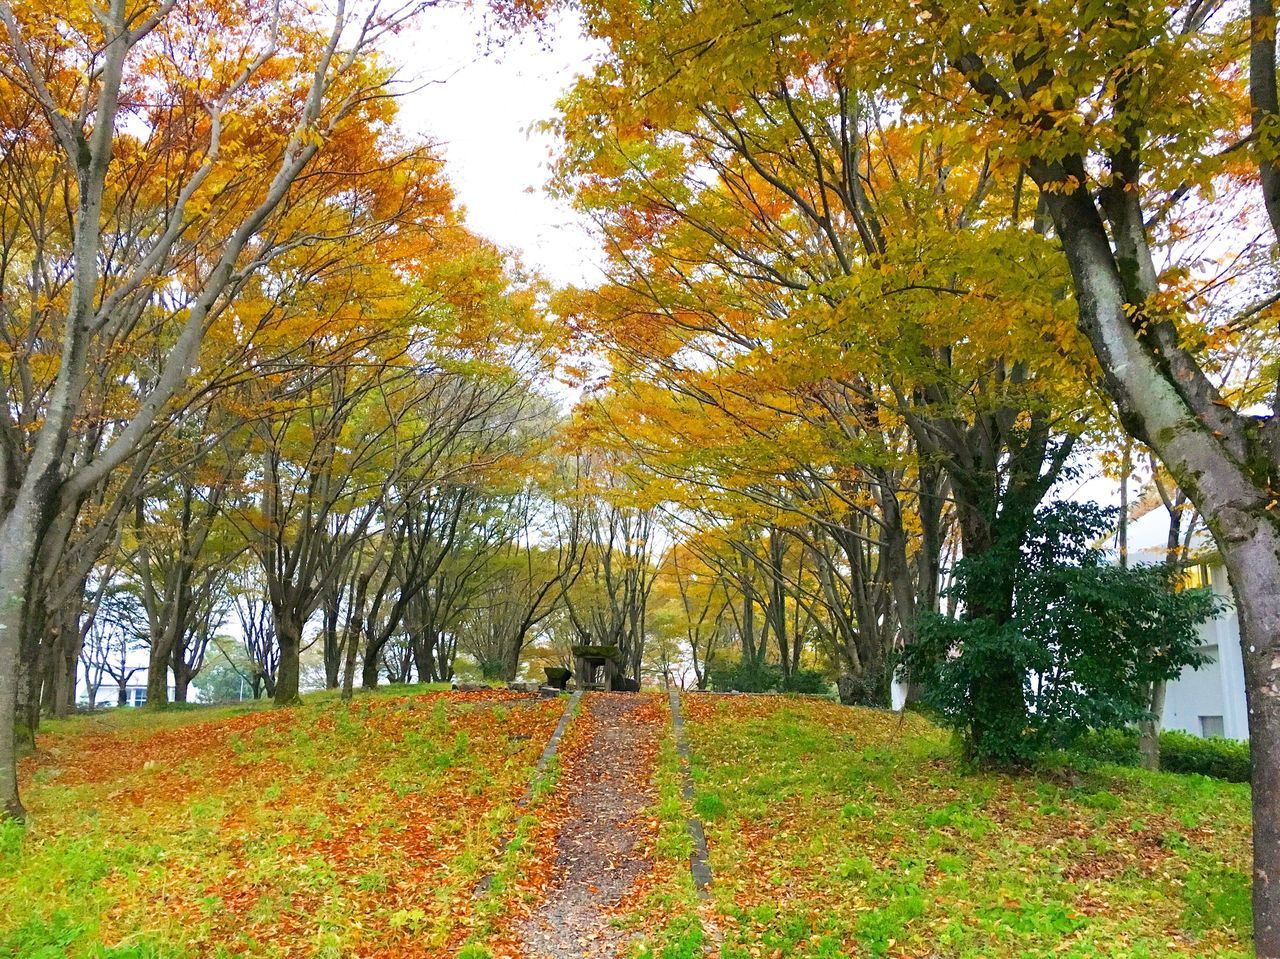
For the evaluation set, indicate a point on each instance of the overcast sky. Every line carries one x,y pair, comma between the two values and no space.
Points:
481,103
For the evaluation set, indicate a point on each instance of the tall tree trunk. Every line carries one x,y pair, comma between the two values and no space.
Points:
511,668
445,655
369,667
34,622
1000,695
423,644
349,664
158,659
333,651
1149,728
1165,400
1253,565
181,678
18,546
288,676
67,661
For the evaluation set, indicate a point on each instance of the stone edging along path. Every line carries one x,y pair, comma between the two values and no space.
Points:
698,861
548,753
698,864
552,744
604,833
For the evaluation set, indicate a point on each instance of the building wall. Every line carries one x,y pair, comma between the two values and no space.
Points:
109,693
1211,700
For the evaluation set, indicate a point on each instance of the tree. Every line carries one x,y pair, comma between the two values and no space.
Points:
1094,116
785,249
692,600
196,226
542,555
116,631
1079,640
228,676
183,552
1148,130
608,603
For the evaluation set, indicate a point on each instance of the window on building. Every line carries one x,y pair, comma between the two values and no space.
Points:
1211,726
1196,576
138,697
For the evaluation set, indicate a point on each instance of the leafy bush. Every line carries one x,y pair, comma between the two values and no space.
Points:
806,681
1220,758
1179,753
1116,746
752,677
746,677
1076,649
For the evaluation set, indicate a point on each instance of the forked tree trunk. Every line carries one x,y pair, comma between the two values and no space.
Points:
1165,400
181,684
15,564
349,672
158,670
369,664
354,630
68,665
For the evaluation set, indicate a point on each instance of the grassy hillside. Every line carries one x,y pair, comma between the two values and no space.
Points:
837,831
363,830
325,830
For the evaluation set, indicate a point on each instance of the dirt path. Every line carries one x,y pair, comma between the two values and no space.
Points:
604,842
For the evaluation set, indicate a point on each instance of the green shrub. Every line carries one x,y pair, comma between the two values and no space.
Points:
1179,753
1053,640
1220,758
806,681
1116,746
752,677
746,677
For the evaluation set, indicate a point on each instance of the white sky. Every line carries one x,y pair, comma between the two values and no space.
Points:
481,104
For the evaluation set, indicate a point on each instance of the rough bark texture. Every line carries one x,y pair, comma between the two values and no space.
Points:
1253,565
287,674
16,553
1149,729
1165,400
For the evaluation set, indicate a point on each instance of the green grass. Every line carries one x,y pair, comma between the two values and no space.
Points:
246,831
838,832
337,829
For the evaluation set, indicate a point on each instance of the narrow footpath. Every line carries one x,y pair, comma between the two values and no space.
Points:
604,844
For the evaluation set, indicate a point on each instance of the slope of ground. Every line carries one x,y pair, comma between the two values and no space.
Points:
406,825
837,832
327,830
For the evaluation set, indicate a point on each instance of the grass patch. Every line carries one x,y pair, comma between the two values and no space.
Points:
837,831
326,830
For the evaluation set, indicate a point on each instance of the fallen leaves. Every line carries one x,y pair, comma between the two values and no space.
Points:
853,832
359,828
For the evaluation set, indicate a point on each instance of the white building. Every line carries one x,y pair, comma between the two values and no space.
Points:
135,694
1208,701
